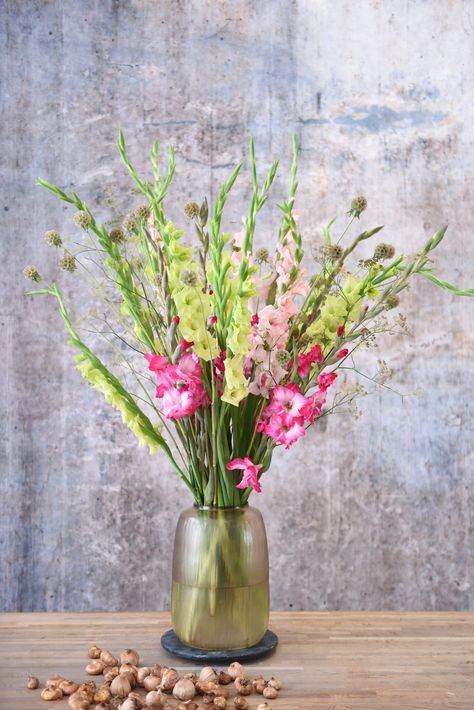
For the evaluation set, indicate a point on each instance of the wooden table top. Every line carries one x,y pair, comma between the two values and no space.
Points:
330,660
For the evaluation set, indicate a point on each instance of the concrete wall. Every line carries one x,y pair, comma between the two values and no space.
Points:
367,514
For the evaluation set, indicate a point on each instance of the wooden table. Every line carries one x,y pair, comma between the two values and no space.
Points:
336,661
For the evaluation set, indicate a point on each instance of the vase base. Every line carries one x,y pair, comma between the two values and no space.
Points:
173,645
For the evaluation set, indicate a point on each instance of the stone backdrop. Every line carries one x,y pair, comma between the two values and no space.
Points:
373,513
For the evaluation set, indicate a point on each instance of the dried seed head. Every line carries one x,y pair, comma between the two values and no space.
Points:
333,251
262,255
236,670
129,224
31,273
117,236
384,251
32,683
358,205
188,278
283,357
142,212
391,302
53,238
82,219
191,210
67,262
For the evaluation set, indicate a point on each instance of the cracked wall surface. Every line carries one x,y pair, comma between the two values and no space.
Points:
373,513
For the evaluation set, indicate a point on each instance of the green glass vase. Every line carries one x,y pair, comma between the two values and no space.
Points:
220,595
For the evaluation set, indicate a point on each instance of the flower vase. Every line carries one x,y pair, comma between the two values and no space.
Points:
220,591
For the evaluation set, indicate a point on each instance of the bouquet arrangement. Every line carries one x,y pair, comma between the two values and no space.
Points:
228,351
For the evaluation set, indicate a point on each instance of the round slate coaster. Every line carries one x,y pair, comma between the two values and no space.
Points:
172,644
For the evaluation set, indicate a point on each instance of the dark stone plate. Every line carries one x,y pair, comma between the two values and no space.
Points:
172,644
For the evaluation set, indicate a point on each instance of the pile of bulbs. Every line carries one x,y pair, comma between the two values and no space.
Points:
163,688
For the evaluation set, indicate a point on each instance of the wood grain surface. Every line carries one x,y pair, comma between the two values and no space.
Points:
333,660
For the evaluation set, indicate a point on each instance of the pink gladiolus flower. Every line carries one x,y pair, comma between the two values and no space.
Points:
284,430
183,401
340,331
189,368
255,319
250,475
287,402
314,406
212,320
165,372
325,380
178,386
342,353
185,344
176,319
306,360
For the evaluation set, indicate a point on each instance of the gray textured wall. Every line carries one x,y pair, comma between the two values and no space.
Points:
374,513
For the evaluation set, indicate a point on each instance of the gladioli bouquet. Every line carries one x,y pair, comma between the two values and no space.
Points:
228,351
